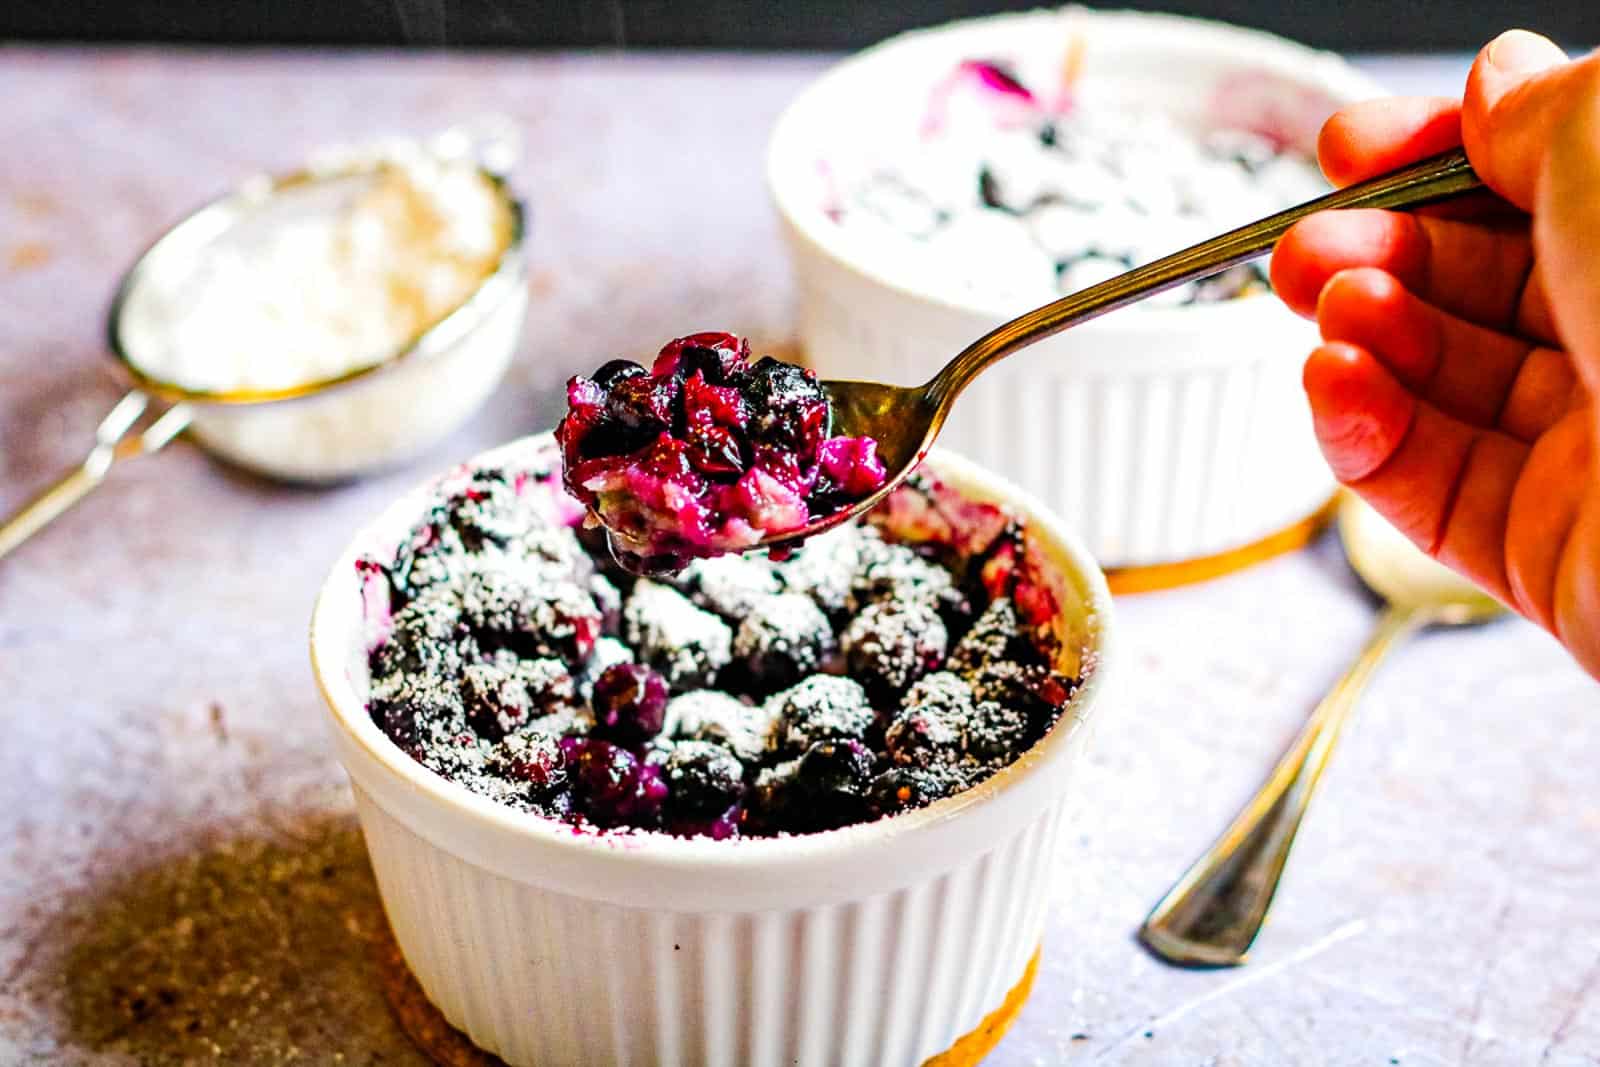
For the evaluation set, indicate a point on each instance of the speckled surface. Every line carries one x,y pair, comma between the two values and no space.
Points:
180,875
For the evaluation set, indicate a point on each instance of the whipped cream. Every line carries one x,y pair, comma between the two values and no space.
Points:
1016,195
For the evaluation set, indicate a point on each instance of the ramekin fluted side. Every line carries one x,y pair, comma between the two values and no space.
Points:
547,979
880,943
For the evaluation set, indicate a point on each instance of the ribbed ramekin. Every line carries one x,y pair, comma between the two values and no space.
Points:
1162,434
878,944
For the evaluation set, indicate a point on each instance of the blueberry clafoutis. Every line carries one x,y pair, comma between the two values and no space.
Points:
886,664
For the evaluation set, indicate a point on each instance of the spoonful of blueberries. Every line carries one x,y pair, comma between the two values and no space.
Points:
706,453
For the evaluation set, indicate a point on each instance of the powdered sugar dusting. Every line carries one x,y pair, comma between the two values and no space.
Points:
492,625
683,642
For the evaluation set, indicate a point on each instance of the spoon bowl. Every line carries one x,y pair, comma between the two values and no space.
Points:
901,421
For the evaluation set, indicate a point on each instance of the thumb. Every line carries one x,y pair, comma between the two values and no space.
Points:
1520,86
1566,226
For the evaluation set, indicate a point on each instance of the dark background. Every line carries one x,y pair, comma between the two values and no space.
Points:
1351,25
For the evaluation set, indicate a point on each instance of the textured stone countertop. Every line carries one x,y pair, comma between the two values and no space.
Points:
181,877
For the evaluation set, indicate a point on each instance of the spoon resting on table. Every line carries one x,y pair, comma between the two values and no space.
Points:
1214,912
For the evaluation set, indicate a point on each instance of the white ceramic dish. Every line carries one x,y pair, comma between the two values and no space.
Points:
1162,434
879,944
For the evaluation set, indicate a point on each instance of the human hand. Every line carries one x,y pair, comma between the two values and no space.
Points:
1456,383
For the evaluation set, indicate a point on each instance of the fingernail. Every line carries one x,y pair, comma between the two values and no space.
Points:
1521,52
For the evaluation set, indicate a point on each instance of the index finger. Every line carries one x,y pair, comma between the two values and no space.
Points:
1375,136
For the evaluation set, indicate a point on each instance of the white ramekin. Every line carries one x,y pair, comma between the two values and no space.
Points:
877,944
1162,434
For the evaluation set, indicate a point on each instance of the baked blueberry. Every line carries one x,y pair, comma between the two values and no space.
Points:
608,652
924,736
504,694
712,715
426,720
616,371
555,554
835,777
895,572
427,638
426,559
788,408
730,585
776,801
687,645
837,766
995,637
703,781
998,733
612,786
942,722
821,708
891,643
399,716
1001,663
905,788
643,403
824,568
782,639
1038,692
534,760
484,512
518,612
630,704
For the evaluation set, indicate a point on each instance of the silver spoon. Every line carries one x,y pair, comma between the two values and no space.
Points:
904,421
1214,912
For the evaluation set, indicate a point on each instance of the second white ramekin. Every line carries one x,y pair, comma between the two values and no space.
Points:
879,944
1162,434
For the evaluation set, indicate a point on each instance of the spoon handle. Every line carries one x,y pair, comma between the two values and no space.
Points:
112,442
1436,178
1211,916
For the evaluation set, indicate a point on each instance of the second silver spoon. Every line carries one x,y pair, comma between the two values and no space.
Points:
1214,912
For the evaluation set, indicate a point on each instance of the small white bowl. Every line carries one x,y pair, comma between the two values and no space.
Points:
878,944
1164,434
